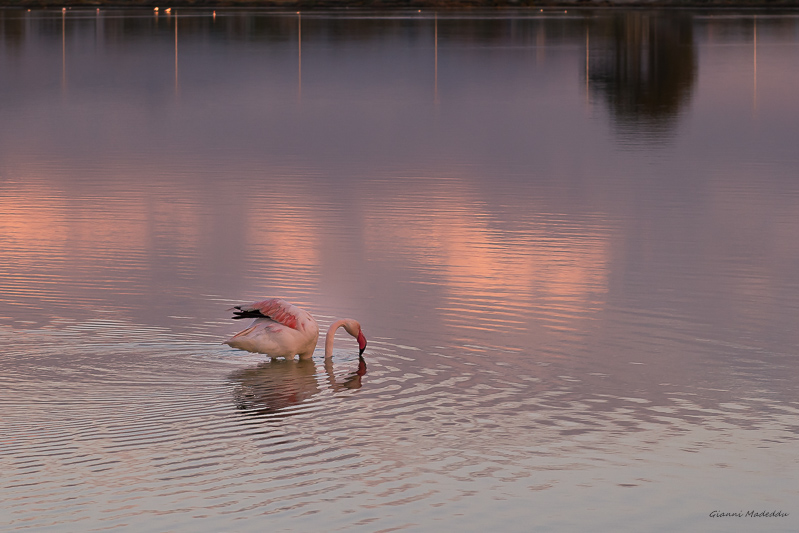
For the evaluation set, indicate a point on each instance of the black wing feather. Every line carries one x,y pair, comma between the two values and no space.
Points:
251,313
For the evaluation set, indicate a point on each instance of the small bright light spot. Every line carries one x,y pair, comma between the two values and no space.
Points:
155,9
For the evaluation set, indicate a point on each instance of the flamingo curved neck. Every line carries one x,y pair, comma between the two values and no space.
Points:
350,326
331,336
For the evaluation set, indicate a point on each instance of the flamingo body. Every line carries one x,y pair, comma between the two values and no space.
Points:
281,329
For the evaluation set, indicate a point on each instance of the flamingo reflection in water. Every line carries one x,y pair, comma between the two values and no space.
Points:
273,386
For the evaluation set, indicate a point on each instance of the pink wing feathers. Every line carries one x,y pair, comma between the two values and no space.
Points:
274,308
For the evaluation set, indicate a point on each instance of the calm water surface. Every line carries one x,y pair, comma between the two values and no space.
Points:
571,239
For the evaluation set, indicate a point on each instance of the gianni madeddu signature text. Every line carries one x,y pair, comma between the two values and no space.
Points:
749,514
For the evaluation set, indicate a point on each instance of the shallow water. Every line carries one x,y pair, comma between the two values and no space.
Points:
570,239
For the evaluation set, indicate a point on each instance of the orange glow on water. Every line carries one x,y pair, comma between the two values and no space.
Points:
448,231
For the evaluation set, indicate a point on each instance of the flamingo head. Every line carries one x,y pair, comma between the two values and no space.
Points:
361,342
353,327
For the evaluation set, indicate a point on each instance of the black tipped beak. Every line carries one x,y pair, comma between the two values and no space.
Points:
360,352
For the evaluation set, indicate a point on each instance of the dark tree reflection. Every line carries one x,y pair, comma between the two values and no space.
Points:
645,69
12,29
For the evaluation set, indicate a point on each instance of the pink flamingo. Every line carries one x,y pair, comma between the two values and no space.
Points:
281,329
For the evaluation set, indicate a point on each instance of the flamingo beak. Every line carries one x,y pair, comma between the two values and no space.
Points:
361,343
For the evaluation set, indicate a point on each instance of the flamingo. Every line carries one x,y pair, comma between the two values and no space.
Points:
281,329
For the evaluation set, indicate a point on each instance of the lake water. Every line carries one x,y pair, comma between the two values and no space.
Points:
572,239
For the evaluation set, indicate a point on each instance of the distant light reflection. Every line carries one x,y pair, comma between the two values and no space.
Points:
63,51
754,66
176,53
587,62
299,56
435,68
